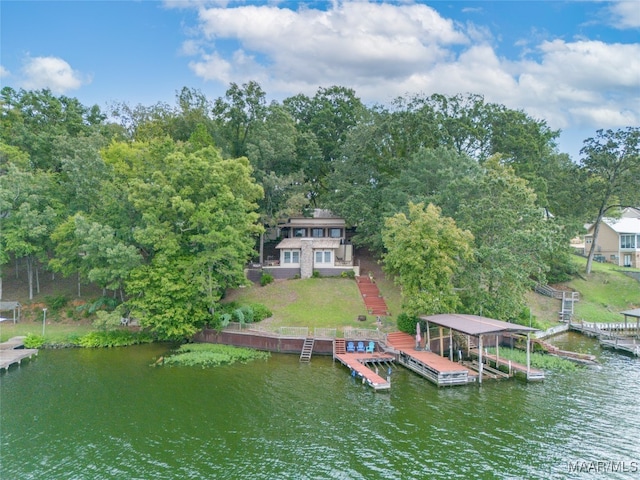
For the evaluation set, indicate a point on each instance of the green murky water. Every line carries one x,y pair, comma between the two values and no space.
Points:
106,414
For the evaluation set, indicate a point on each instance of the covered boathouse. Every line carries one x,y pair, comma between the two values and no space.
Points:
475,333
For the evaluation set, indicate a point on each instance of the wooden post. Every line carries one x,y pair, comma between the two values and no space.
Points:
480,359
427,347
528,355
497,352
451,345
441,334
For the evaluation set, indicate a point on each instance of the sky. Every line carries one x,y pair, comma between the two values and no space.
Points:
573,64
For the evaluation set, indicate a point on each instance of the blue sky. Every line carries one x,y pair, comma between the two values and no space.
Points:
574,64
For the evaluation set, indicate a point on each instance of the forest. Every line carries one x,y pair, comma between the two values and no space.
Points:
468,204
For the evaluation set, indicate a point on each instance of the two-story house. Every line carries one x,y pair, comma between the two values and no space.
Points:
312,244
618,240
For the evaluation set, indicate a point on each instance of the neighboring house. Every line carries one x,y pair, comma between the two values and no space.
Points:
630,212
312,244
618,240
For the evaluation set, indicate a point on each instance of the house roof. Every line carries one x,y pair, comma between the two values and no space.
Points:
316,243
621,225
631,212
624,225
474,324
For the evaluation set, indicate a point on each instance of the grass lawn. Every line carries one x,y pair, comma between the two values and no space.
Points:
604,293
313,302
54,332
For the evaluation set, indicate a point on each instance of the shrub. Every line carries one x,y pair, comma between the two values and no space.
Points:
407,323
266,279
315,274
247,310
33,341
56,302
260,312
113,338
101,303
238,315
107,320
348,274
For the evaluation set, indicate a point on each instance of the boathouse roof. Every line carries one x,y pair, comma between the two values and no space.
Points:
474,324
632,313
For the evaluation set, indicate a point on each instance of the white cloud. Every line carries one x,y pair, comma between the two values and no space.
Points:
350,43
52,73
625,14
387,50
4,72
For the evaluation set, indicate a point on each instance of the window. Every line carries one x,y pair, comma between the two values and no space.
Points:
627,241
323,256
335,232
317,232
291,256
300,232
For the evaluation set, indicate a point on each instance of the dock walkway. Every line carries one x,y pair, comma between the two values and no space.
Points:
532,374
357,363
13,352
437,369
618,336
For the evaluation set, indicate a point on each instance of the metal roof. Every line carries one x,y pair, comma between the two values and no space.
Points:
474,324
9,305
632,313
316,243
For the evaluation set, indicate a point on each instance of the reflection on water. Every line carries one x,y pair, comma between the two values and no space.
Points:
87,414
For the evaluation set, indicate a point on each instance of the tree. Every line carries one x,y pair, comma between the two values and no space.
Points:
237,114
425,252
513,240
193,218
28,216
612,164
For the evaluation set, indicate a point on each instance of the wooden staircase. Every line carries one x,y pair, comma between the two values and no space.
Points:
307,349
339,346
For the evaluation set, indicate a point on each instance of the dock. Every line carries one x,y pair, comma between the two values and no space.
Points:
621,336
13,352
625,344
433,367
513,368
358,363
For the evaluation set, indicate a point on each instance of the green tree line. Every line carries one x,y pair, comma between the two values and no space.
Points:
468,203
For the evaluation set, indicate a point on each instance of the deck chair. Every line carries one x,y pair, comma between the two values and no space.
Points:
360,347
351,348
371,347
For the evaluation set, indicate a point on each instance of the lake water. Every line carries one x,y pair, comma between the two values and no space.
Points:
107,414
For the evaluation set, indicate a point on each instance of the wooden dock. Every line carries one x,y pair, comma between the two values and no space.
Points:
513,368
625,344
13,352
358,365
617,336
433,367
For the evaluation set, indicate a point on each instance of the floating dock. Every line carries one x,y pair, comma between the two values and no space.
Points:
358,364
13,352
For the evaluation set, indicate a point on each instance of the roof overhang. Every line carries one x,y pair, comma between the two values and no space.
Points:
632,313
316,243
475,325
